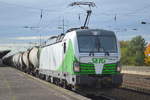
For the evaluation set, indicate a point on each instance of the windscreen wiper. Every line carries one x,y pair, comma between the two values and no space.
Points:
106,52
91,53
99,47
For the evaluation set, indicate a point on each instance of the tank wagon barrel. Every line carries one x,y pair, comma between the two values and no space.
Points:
33,58
16,60
25,61
8,61
21,67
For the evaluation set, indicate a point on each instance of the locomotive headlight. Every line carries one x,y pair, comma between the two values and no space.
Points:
118,67
76,67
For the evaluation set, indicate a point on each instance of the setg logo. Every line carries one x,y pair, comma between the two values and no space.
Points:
98,60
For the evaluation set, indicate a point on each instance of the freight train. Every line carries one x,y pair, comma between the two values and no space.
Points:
76,60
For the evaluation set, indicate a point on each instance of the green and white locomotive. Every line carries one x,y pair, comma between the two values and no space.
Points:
83,57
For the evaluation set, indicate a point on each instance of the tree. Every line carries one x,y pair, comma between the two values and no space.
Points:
136,50
124,49
133,51
147,55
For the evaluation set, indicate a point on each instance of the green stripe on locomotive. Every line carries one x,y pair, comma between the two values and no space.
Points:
69,59
85,68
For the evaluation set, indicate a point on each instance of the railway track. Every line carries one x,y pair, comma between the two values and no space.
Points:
136,87
97,95
133,87
121,94
139,83
134,90
101,97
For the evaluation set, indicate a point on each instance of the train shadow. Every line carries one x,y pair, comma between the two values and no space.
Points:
98,95
3,65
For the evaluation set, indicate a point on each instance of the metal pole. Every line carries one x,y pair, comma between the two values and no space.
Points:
40,39
63,26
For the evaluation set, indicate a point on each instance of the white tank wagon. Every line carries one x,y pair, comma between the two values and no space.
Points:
16,60
1,62
7,61
13,60
21,66
34,58
25,61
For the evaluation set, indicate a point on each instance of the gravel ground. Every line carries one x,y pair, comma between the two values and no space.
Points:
125,94
132,85
138,81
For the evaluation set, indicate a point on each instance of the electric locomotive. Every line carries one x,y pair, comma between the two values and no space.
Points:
82,58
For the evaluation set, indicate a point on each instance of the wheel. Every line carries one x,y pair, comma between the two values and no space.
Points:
36,73
64,84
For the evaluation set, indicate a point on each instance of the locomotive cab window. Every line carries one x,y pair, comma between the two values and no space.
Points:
108,44
89,42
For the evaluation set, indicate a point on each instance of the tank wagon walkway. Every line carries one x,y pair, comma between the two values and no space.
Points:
14,85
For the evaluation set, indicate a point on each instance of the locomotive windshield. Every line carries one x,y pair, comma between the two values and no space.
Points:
97,43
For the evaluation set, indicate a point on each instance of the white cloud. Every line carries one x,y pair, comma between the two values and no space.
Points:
14,45
31,38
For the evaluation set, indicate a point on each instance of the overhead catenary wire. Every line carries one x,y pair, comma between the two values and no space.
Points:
129,13
37,9
102,13
52,11
132,12
115,17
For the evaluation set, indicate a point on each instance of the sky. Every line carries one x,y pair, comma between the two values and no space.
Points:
15,15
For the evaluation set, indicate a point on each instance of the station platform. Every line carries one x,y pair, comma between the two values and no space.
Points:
15,85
